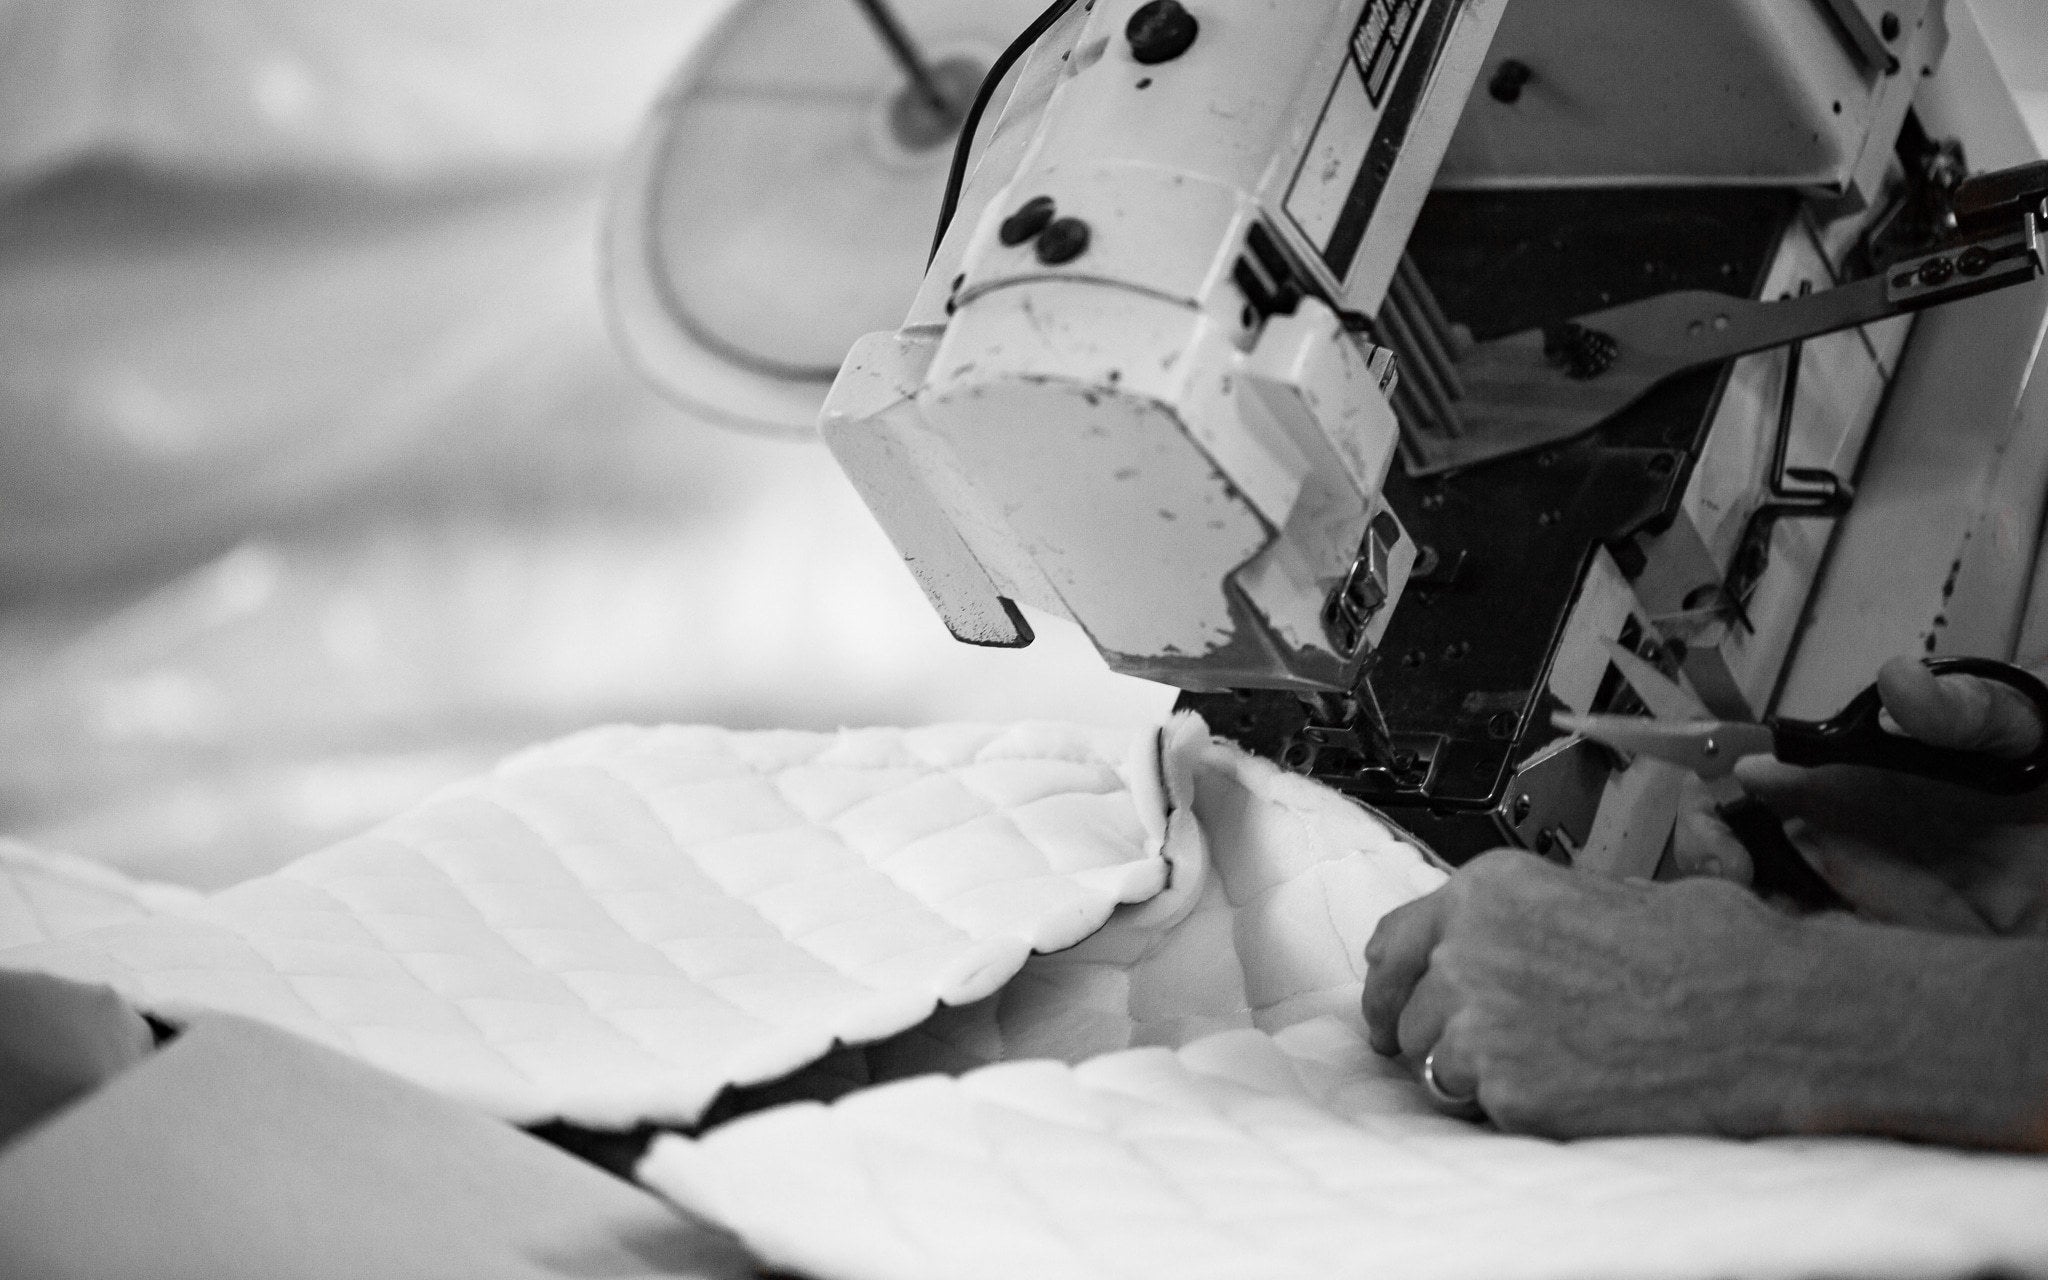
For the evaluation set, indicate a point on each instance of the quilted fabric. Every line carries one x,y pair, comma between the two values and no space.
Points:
47,896
1306,1156
615,928
1277,884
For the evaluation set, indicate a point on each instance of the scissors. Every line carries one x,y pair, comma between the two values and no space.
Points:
1680,730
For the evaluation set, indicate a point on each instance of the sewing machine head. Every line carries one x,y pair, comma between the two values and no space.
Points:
1194,365
1136,390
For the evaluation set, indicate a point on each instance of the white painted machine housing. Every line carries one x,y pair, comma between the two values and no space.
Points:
1119,441
1780,93
1124,439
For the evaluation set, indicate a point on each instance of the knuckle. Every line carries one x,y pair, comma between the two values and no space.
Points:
1452,965
1505,871
1491,865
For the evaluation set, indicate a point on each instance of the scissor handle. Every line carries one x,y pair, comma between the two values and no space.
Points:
1858,736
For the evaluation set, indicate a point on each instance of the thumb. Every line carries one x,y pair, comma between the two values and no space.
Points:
1884,886
1965,713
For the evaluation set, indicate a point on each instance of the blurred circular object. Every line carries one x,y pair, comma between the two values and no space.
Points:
779,202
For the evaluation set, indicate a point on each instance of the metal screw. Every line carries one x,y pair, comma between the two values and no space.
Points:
1033,217
1974,261
1509,79
1710,748
1524,806
1937,271
1161,31
1063,241
1888,26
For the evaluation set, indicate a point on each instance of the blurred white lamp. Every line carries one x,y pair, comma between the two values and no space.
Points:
780,201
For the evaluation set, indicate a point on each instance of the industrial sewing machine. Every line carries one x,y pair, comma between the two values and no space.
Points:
1368,368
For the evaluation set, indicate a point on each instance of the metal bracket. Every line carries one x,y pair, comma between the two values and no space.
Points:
1546,385
1794,493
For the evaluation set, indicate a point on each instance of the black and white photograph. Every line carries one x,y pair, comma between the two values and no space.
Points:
1022,640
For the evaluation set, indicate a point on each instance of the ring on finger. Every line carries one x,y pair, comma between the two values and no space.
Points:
1438,1094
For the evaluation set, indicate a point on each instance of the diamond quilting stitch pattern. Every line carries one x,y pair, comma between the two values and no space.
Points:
612,929
1303,1154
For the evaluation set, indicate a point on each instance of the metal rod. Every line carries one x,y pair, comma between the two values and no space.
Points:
1423,426
1430,315
1418,309
906,53
1788,405
1421,375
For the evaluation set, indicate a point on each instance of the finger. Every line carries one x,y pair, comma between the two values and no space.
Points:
1839,795
1456,1073
1426,1014
1396,959
1964,713
1887,888
1705,846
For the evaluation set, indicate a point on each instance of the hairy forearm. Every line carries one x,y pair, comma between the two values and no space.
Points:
1910,1034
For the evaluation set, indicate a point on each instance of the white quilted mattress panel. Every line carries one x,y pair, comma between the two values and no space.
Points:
1307,1156
1277,885
46,896
614,928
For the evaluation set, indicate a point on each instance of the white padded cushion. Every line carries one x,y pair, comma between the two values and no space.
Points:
615,928
45,896
1309,1157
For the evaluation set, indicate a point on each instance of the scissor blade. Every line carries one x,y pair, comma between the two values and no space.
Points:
1708,748
1665,697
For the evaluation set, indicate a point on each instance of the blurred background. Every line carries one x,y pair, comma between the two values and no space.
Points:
321,481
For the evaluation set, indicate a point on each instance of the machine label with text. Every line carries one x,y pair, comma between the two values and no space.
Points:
1365,121
1378,43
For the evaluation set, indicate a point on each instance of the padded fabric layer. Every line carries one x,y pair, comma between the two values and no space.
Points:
47,896
613,929
1277,884
1248,1155
1261,1137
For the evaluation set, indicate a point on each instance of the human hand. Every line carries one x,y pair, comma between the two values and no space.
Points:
1567,1005
1571,1005
1901,849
